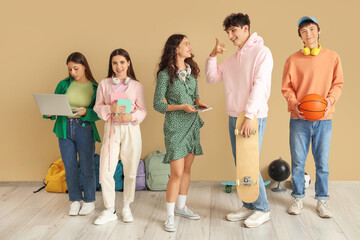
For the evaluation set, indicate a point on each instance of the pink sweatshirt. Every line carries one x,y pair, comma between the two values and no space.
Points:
134,92
246,75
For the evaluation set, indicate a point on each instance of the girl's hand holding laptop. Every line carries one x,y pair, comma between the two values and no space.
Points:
81,111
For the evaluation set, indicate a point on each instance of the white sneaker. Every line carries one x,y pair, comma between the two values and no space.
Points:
87,208
127,216
187,213
74,208
105,217
170,224
256,219
323,209
239,215
295,207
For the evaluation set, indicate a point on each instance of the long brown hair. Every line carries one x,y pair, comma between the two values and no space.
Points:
79,58
168,58
122,52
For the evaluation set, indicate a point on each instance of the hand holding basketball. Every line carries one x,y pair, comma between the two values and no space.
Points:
313,107
327,109
298,112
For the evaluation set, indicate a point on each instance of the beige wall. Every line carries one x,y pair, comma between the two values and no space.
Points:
37,36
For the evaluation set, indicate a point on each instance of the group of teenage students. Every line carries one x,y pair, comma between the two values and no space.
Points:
246,77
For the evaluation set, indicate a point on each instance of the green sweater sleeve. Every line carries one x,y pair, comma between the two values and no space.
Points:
90,116
160,90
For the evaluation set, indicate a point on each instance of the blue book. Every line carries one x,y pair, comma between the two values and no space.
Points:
125,102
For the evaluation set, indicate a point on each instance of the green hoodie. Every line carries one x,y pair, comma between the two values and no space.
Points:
91,116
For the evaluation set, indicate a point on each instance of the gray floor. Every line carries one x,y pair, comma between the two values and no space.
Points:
25,215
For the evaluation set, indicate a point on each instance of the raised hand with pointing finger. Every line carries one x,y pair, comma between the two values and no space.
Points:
219,48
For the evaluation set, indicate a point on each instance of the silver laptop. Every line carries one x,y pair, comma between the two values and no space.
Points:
54,104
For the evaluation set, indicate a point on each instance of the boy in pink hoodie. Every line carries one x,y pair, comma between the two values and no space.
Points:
246,76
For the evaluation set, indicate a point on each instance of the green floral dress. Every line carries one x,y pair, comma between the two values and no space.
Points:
181,129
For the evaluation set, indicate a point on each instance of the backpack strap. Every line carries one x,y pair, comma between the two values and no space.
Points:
41,188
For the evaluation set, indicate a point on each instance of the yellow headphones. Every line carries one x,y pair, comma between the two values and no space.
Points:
314,52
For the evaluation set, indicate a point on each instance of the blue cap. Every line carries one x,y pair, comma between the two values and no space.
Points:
307,18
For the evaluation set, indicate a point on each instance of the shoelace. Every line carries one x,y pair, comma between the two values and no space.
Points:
105,214
297,202
170,219
127,213
241,210
238,212
74,206
188,210
324,204
256,215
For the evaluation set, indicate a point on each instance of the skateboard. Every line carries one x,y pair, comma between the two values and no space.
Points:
229,185
247,162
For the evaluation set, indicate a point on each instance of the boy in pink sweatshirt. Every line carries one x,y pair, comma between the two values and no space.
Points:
312,70
246,76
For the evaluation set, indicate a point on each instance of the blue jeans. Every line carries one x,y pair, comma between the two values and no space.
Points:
261,204
79,140
303,132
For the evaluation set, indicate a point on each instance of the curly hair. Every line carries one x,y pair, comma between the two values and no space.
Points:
236,20
168,58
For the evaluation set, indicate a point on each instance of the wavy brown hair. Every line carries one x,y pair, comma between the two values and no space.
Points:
121,52
168,58
79,58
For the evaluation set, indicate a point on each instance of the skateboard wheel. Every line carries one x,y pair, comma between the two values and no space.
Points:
236,131
228,189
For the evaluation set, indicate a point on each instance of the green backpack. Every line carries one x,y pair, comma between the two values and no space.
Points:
157,172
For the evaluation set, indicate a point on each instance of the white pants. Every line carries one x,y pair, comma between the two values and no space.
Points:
126,141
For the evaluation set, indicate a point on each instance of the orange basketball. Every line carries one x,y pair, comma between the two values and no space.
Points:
313,107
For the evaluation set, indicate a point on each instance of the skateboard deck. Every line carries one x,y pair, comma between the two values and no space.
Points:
247,162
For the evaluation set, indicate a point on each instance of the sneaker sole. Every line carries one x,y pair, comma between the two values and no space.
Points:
186,216
128,221
170,229
85,213
294,213
236,219
257,225
102,223
324,216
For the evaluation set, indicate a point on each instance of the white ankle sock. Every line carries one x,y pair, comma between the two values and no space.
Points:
170,207
180,203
